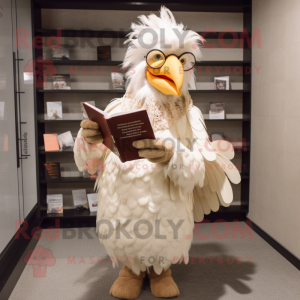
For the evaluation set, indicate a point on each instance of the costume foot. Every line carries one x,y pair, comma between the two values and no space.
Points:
163,285
128,285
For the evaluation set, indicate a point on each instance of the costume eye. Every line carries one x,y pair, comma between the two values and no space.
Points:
187,60
157,57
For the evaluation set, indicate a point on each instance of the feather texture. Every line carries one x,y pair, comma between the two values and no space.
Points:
190,187
147,199
216,189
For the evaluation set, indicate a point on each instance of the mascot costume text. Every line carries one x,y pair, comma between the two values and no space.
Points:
181,175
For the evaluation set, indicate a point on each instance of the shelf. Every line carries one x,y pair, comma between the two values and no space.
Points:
69,213
81,91
245,176
242,147
81,179
123,91
119,34
80,62
73,213
117,63
81,33
59,121
222,63
233,208
55,152
68,180
246,119
229,6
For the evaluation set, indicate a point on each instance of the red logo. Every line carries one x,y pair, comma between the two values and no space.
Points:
40,68
39,258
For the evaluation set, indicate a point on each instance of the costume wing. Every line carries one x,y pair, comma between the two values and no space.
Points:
216,188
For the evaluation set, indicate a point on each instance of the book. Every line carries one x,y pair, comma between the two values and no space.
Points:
52,170
51,142
84,115
54,110
118,82
60,53
216,110
216,136
104,53
120,130
222,83
55,204
93,201
65,141
61,82
79,198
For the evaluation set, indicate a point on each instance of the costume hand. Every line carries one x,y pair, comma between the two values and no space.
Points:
156,151
90,131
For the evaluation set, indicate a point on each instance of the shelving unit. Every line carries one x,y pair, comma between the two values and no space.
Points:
206,120
123,34
116,63
42,95
122,92
68,180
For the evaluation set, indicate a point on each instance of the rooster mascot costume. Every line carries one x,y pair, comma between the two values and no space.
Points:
181,175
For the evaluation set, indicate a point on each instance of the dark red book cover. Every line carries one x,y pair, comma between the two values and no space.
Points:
104,53
52,170
120,130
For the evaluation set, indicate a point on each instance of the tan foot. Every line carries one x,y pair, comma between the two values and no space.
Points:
163,285
128,285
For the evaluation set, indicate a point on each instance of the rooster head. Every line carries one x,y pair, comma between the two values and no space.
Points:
161,56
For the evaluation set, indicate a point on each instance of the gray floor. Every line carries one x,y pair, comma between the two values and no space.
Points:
267,276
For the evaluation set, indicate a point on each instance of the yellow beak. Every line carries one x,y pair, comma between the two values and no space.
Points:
169,78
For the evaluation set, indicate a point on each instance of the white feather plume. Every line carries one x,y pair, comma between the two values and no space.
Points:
165,34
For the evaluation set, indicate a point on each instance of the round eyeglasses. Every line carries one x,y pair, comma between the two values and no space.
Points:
155,59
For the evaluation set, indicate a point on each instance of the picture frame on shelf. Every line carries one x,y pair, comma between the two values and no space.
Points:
66,141
222,83
61,82
54,110
60,52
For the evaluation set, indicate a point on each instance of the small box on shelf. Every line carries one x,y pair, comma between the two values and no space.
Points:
118,82
54,110
55,204
80,199
61,82
66,141
222,83
93,201
216,110
60,52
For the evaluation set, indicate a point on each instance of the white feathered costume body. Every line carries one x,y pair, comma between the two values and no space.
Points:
152,199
